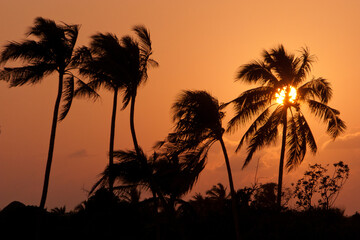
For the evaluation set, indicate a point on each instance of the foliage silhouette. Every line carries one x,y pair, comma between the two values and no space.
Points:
173,172
104,62
217,192
106,215
327,187
277,73
53,51
197,116
138,52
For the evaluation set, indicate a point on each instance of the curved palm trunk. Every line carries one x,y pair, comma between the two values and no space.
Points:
281,166
137,149
232,191
111,146
52,142
132,125
154,189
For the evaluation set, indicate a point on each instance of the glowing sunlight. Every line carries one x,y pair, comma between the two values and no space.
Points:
280,95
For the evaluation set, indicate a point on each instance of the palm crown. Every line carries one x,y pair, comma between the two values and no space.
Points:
52,51
280,100
197,117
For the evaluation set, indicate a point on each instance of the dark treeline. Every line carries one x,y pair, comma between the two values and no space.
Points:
208,216
114,207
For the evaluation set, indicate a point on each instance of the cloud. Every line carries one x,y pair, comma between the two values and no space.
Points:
349,141
78,154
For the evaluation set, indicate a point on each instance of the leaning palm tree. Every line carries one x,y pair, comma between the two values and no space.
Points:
51,52
138,56
279,101
197,116
104,64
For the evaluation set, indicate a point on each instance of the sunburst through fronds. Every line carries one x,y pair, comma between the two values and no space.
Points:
281,94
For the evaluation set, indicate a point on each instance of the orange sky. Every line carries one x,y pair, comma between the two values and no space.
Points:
199,45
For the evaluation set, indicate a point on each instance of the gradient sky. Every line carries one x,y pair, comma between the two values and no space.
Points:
199,45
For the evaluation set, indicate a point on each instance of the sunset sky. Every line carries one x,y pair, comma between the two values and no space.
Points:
199,45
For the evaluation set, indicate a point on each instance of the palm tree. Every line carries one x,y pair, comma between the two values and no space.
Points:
51,52
217,192
173,172
177,170
197,117
138,53
278,102
104,63
117,65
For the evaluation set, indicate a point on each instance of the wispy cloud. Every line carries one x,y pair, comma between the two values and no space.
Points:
78,154
348,141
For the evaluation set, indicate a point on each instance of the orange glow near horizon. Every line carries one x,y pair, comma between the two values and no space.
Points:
280,95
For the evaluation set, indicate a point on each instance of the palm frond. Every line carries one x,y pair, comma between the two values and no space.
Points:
248,104
305,62
329,115
197,113
85,90
317,88
82,55
296,142
43,28
266,133
144,35
282,63
261,119
305,128
103,181
30,74
67,96
71,33
28,51
256,72
153,63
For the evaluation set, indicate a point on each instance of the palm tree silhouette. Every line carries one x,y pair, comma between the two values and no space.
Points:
279,100
174,173
198,116
138,56
51,52
217,192
177,170
117,65
104,62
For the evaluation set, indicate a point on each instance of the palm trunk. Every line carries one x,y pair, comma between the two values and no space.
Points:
281,166
132,125
52,142
154,189
111,147
232,191
137,149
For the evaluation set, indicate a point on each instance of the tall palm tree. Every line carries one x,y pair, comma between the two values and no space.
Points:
279,101
117,65
104,62
138,52
52,51
197,116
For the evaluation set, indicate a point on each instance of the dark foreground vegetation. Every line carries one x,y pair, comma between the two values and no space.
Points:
307,213
105,216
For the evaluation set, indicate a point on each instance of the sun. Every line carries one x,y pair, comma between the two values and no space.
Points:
280,95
